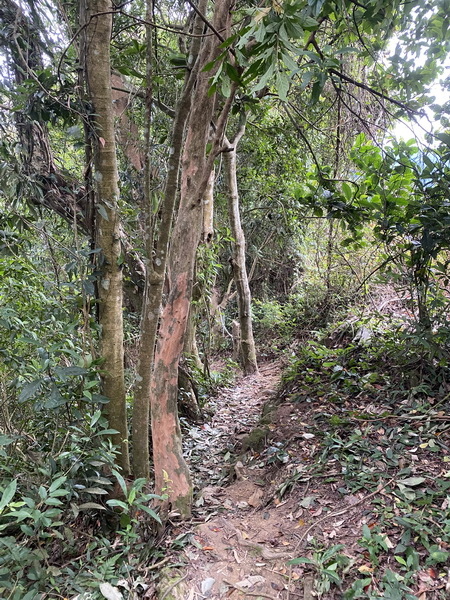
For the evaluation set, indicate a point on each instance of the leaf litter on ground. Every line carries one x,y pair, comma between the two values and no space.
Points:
356,470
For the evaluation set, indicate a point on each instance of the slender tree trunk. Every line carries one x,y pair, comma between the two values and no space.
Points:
190,348
171,471
98,76
157,253
190,340
247,352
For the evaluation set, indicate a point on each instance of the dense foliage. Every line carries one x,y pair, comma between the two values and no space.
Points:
347,255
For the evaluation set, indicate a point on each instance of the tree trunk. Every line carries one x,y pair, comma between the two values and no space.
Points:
247,352
157,252
98,77
171,471
190,349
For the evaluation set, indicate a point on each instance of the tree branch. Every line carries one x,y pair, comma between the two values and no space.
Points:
363,86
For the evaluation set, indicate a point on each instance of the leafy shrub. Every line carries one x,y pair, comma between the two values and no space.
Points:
54,512
406,360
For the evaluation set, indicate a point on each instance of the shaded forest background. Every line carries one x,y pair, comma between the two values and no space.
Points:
187,191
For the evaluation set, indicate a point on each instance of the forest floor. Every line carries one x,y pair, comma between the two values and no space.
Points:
272,486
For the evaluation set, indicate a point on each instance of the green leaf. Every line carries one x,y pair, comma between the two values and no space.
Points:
264,79
300,561
58,493
29,390
308,23
98,398
95,490
282,85
119,503
73,371
55,399
131,72
316,91
347,191
151,512
232,73
411,481
439,556
121,481
5,440
367,534
53,502
225,87
107,432
132,496
8,494
332,575
102,212
95,417
444,137
57,484
90,505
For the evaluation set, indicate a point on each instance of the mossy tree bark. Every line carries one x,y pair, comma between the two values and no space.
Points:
247,353
171,471
108,238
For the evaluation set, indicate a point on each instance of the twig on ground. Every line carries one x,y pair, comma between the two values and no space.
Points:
172,586
158,564
246,592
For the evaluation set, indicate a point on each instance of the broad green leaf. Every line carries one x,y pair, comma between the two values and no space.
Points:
5,440
300,561
102,212
96,490
57,484
8,494
29,390
444,137
132,496
122,483
119,503
347,191
91,505
95,417
282,85
55,399
411,481
107,432
73,371
53,502
232,73
439,556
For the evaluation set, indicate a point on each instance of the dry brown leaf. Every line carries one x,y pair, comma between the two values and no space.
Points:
366,569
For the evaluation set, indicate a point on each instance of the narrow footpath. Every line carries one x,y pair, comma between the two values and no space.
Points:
241,536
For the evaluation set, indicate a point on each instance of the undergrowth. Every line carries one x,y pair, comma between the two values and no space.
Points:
379,404
69,523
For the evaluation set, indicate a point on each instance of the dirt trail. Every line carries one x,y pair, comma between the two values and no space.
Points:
241,540
236,412
313,470
257,501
